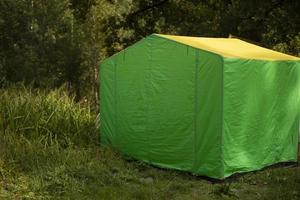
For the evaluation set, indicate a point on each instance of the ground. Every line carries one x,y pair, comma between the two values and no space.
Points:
101,173
49,149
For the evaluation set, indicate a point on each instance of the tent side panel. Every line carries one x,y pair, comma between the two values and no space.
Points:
107,101
149,97
208,137
261,113
124,101
170,87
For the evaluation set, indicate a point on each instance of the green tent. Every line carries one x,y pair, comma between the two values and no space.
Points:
210,106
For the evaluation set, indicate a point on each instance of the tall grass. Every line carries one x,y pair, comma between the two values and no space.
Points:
41,134
49,149
51,117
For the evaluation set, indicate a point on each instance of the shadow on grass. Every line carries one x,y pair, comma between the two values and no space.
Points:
233,178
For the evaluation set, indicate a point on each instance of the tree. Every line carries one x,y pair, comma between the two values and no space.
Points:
31,33
100,23
57,42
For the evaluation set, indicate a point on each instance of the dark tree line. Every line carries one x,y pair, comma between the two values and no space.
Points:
61,42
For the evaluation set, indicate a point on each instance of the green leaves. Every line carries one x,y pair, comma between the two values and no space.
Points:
51,43
31,31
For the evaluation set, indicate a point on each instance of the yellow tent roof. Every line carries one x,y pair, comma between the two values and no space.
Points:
231,48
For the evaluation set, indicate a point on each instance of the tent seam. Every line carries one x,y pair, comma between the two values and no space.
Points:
298,133
222,118
196,104
147,83
115,95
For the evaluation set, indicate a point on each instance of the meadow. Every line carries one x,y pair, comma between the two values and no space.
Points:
50,149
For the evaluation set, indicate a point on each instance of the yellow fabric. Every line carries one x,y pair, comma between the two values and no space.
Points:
231,48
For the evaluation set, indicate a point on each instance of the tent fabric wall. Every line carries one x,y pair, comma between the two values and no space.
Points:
208,115
177,106
151,97
261,113
153,102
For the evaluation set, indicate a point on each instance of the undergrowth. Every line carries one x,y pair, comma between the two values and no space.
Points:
49,149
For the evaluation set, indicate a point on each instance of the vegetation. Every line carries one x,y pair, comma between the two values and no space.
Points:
61,42
49,150
49,137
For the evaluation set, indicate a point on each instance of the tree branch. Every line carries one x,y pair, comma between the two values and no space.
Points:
275,5
149,7
267,11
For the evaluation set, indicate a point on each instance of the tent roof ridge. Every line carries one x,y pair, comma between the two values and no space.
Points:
230,47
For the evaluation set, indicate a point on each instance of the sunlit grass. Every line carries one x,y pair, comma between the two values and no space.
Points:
49,149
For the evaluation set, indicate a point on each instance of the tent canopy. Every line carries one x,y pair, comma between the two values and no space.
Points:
231,48
210,106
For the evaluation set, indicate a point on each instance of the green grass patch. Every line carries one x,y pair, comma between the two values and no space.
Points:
49,149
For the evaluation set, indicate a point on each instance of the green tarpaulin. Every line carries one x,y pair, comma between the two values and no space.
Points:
210,106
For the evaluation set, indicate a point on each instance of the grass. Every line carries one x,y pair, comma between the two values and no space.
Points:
49,149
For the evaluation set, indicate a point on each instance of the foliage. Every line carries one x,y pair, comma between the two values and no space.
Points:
62,42
31,36
49,143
